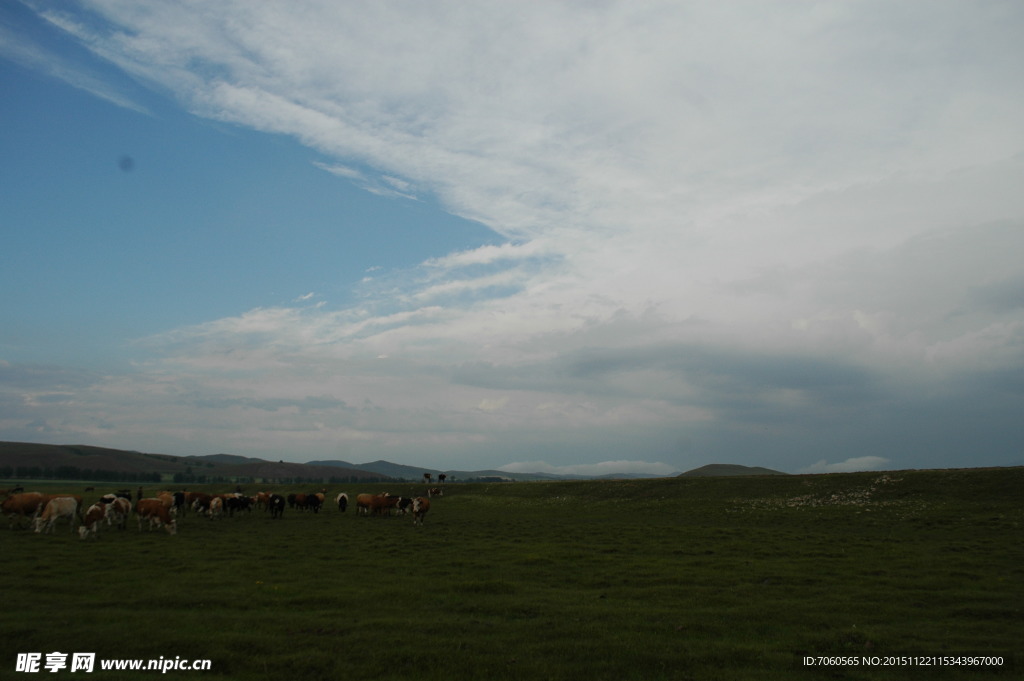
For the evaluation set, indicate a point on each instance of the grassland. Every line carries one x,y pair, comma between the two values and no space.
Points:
700,578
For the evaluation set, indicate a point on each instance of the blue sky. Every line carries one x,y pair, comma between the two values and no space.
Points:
549,236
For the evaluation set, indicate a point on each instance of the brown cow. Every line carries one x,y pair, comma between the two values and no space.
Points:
198,501
216,507
24,505
91,523
420,506
363,502
375,504
157,513
167,499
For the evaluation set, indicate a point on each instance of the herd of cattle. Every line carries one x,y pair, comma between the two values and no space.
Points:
163,510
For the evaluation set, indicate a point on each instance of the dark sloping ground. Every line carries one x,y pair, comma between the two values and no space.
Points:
720,469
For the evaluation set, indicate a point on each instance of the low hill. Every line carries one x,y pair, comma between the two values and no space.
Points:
81,462
269,470
381,469
84,457
723,469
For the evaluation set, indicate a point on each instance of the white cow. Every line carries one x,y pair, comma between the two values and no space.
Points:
117,511
58,507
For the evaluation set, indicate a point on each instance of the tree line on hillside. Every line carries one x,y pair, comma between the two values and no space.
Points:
9,472
191,478
75,473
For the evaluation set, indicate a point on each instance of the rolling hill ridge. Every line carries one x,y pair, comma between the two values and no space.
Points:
84,462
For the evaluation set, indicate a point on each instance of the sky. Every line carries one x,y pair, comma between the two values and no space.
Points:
576,237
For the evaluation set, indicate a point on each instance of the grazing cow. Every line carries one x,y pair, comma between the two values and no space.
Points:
167,499
314,502
262,500
342,502
236,502
49,497
57,507
276,504
216,507
420,506
156,513
23,505
179,502
200,501
118,510
435,492
91,523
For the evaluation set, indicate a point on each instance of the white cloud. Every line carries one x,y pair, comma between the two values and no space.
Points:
492,404
737,225
591,469
860,463
21,49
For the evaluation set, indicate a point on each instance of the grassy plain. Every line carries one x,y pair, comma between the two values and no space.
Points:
703,578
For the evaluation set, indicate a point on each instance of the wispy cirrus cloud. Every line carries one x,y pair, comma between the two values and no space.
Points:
23,50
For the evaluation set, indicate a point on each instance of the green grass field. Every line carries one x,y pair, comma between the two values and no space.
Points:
703,578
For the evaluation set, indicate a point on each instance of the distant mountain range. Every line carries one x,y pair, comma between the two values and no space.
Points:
84,462
400,471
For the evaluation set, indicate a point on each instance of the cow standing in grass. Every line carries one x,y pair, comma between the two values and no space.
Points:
420,506
157,514
23,505
56,508
276,504
91,523
375,504
118,510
